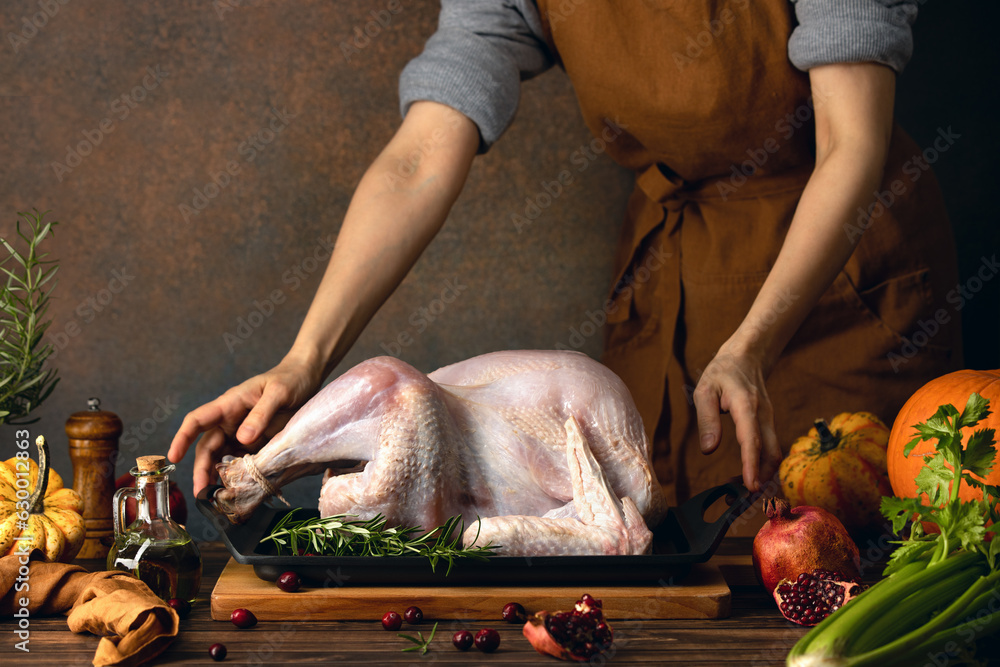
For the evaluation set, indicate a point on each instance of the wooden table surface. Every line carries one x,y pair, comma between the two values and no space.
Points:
755,634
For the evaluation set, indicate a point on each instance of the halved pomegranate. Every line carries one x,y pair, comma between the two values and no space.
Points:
576,635
815,595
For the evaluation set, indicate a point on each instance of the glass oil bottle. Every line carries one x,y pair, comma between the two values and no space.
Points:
154,548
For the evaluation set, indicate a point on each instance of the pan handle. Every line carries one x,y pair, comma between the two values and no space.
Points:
702,536
204,502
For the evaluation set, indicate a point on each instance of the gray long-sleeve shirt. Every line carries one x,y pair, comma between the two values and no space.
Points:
483,49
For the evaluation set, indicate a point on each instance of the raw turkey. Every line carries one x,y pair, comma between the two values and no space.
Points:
545,447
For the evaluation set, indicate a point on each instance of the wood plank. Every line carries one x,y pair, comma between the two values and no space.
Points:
702,595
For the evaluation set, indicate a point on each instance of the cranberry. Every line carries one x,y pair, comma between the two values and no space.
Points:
243,618
217,652
392,621
413,615
513,612
182,607
487,640
462,640
289,582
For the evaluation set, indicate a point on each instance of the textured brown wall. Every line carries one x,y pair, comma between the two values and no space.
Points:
156,349
159,341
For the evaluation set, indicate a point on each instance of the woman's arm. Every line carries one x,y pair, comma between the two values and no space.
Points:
854,110
398,207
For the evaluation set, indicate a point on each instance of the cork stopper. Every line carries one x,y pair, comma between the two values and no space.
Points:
151,463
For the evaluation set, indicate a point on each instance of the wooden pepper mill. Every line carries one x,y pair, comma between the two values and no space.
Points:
93,448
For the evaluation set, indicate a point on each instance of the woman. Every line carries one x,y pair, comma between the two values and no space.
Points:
775,250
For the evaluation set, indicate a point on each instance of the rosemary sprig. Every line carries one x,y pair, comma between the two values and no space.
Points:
24,302
340,535
421,643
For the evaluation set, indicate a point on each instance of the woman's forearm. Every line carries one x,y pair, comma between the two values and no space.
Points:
398,207
854,121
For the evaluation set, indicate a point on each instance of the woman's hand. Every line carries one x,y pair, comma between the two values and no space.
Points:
244,418
734,383
853,107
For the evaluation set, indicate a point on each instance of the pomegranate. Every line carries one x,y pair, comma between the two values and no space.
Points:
178,506
513,612
217,652
413,615
813,596
392,621
462,640
487,640
577,635
799,540
243,618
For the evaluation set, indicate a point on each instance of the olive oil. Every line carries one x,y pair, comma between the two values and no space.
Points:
171,569
154,548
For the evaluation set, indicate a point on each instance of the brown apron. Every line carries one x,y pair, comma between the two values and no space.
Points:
694,96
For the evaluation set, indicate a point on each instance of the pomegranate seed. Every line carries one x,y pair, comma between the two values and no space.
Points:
217,652
413,615
392,621
487,640
243,618
513,612
462,640
182,607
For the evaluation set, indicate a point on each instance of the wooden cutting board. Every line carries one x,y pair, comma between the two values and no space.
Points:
702,594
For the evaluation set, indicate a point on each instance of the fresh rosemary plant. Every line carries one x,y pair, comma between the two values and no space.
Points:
340,535
422,645
27,284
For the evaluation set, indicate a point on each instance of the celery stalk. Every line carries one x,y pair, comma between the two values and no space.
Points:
847,623
940,622
914,611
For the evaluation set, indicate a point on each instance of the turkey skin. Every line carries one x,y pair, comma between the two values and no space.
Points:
541,452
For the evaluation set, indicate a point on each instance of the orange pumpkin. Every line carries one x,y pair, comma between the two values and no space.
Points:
841,467
954,388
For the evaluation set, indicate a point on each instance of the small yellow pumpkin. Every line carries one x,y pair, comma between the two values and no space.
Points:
54,513
841,467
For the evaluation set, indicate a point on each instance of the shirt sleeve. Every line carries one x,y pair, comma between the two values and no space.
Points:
476,60
848,31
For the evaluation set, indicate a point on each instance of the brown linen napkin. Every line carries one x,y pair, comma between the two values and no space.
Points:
135,625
